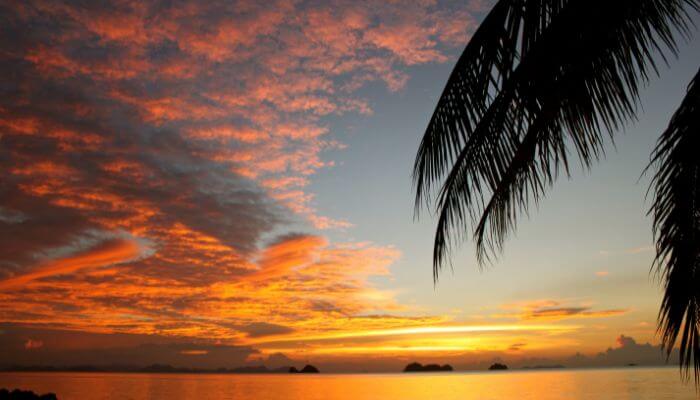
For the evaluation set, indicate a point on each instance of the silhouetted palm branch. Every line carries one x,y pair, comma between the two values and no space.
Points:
488,60
537,78
676,211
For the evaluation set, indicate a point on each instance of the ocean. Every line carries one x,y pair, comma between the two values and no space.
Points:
604,384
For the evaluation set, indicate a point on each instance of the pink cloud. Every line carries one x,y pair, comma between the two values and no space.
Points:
223,132
293,66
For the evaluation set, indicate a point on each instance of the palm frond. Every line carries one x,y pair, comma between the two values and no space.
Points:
676,213
575,82
508,31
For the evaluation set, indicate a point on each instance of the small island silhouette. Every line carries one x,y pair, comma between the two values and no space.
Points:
498,367
308,369
17,394
418,367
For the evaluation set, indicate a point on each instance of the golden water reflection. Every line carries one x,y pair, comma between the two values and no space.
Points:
629,383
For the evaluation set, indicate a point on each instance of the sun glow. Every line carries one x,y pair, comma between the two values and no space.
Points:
426,330
433,340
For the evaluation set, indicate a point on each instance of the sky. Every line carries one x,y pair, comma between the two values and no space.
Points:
227,183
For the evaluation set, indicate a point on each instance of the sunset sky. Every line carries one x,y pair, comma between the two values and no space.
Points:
227,183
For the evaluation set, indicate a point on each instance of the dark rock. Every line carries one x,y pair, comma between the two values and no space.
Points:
293,370
24,395
498,367
417,367
413,367
309,369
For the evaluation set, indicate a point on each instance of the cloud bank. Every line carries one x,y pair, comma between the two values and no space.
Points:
151,151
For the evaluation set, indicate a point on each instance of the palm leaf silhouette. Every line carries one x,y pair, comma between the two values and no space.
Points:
676,212
540,81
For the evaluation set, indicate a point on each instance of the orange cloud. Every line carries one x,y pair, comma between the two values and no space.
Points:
27,126
298,284
190,127
243,134
295,252
102,255
194,352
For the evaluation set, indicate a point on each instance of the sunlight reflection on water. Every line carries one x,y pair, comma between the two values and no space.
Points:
607,384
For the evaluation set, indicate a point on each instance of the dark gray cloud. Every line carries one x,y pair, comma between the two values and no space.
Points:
34,346
568,312
82,161
262,329
628,351
278,360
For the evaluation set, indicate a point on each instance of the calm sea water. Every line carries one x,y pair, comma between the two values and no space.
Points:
628,383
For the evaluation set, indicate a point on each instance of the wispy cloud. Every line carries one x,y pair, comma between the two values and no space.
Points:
627,251
299,284
105,254
554,310
639,249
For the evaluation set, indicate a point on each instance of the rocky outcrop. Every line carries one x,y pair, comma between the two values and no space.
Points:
17,394
308,369
418,367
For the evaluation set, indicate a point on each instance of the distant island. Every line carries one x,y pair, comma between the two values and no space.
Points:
162,369
418,367
308,369
17,394
498,367
154,368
